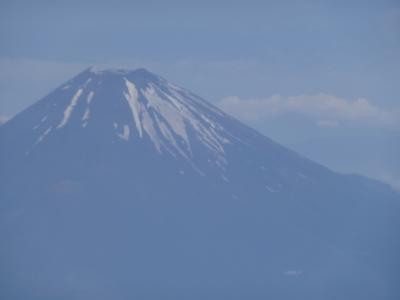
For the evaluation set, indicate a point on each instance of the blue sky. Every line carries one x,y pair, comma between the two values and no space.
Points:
319,76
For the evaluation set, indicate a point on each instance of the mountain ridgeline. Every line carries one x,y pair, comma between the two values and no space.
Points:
121,185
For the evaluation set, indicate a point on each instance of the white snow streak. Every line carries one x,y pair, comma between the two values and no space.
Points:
90,97
86,115
133,100
43,135
87,81
41,121
125,134
149,127
170,113
70,108
178,114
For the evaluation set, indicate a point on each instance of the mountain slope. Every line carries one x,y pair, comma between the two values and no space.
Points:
120,184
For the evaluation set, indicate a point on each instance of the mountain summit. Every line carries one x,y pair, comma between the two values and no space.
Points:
136,107
119,184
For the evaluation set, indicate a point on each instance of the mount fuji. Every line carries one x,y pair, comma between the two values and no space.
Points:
122,185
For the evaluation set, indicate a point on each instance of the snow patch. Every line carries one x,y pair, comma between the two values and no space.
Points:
176,115
125,134
42,120
43,135
149,127
133,100
170,113
68,111
87,82
90,97
86,115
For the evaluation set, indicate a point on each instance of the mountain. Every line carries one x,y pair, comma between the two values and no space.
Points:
121,185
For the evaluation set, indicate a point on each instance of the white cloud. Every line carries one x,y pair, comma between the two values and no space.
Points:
326,110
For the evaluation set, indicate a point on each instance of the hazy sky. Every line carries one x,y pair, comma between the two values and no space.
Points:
319,76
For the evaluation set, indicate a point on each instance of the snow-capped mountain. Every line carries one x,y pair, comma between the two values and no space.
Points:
119,184
137,105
